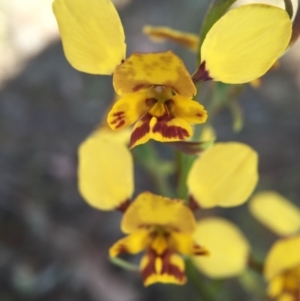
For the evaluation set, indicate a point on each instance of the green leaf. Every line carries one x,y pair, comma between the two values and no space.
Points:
184,163
289,7
216,10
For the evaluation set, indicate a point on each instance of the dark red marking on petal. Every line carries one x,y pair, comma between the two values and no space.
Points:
201,74
119,113
150,102
121,123
167,266
168,105
140,131
169,131
255,265
122,249
200,251
119,119
193,204
199,114
123,206
171,269
150,267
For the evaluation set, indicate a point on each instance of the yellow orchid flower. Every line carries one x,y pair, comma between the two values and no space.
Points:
106,182
162,227
282,265
157,92
156,89
282,269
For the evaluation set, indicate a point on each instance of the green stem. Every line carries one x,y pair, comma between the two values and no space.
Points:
195,277
159,169
184,163
124,264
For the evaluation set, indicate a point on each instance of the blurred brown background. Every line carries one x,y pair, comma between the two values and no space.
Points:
53,246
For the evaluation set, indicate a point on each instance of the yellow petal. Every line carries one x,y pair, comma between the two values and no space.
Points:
92,34
245,43
228,248
162,34
105,172
276,286
143,70
159,244
284,255
225,175
128,110
189,110
122,136
133,243
184,244
276,212
287,297
149,209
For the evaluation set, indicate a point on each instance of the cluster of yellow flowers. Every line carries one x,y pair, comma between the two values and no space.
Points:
156,92
165,227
